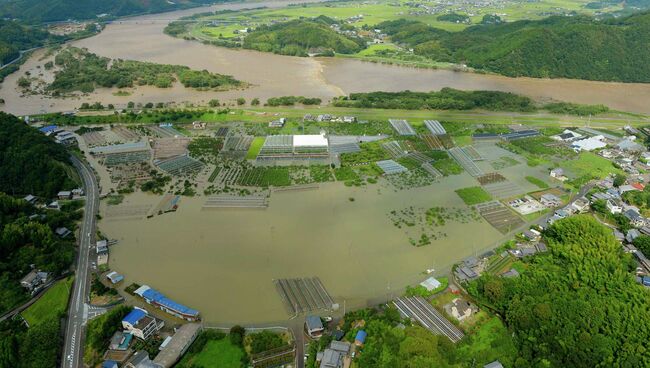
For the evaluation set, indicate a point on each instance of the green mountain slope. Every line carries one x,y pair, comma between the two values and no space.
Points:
300,37
15,37
558,47
60,10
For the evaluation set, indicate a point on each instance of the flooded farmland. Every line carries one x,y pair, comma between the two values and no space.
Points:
223,262
142,38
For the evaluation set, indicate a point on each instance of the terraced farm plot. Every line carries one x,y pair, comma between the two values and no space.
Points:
503,162
473,153
265,176
499,216
303,295
504,189
125,133
227,201
433,142
164,148
394,149
490,178
237,143
499,264
222,132
180,165
127,211
402,127
465,161
114,159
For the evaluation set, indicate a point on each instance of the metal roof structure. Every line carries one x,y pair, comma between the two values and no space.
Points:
153,296
435,127
48,129
391,167
402,127
312,140
134,316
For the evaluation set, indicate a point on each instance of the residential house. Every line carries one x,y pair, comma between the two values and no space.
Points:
626,188
79,192
558,173
532,235
580,204
550,200
102,246
613,207
140,360
314,327
635,217
109,364
33,279
360,338
619,236
54,205
114,277
62,232
632,234
120,341
335,355
460,308
30,199
349,119
141,324
629,145
567,136
64,194
511,273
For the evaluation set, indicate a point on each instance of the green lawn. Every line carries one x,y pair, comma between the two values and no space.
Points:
255,148
489,342
216,353
473,195
536,181
589,163
52,303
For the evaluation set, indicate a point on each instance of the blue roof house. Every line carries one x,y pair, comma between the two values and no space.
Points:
360,339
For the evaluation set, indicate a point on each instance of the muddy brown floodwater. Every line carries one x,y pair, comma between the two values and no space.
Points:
223,262
142,38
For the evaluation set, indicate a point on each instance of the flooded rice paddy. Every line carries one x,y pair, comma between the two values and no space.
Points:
142,38
223,262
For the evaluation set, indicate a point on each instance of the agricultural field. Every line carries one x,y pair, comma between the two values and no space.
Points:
52,303
473,195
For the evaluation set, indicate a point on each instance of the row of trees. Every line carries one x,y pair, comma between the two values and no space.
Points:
561,47
445,99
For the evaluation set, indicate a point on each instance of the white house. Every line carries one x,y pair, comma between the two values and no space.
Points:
141,324
613,207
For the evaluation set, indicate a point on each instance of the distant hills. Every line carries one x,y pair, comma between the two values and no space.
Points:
37,11
15,37
301,37
576,47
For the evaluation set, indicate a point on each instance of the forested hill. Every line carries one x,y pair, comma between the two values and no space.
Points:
15,37
30,162
577,47
300,37
60,10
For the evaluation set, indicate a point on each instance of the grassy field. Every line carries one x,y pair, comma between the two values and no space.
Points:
255,148
216,353
52,303
590,164
491,340
473,195
536,181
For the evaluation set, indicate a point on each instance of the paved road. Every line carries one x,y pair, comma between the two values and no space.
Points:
79,311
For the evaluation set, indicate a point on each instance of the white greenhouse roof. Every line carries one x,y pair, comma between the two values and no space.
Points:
312,140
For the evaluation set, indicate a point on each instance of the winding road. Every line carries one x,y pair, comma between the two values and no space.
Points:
79,311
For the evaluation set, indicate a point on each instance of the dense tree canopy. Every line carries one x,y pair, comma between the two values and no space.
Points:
577,306
82,71
445,99
30,162
300,37
15,37
567,47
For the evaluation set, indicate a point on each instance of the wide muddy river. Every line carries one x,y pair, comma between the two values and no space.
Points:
142,38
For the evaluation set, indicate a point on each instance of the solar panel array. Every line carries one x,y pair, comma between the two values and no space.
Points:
402,127
435,127
391,167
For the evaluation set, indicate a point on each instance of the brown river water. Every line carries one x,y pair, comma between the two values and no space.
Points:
142,38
